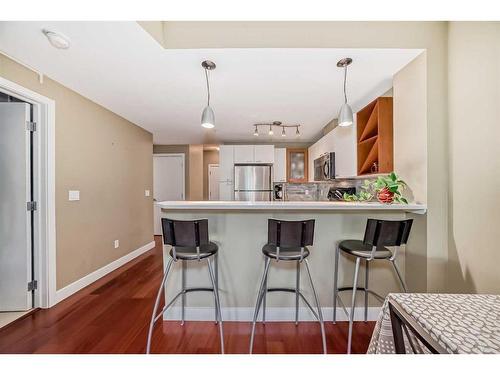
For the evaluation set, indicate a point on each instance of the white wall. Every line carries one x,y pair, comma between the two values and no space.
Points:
342,141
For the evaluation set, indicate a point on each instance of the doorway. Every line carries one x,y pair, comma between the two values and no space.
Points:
38,282
168,182
213,182
17,219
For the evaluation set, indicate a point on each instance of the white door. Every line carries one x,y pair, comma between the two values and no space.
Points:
15,219
213,182
168,182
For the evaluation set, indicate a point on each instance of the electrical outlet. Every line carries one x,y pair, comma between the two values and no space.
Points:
117,244
146,193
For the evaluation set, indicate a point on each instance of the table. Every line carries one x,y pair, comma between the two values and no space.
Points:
459,323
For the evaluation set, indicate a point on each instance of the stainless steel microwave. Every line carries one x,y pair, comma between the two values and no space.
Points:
324,167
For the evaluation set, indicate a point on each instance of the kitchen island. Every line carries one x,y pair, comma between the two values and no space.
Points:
240,229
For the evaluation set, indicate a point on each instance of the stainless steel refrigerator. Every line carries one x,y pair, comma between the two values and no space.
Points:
252,182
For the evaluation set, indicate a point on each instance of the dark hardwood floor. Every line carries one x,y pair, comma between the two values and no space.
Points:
112,316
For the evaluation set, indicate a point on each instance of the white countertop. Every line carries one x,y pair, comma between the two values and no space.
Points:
289,205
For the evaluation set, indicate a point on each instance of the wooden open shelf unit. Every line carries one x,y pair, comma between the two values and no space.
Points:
375,137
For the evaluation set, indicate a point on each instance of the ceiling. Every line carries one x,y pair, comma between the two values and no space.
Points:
121,67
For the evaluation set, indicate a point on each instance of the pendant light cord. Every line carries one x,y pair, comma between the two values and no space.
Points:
208,87
345,80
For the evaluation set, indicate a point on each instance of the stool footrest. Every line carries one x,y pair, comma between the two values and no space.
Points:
187,290
292,290
376,295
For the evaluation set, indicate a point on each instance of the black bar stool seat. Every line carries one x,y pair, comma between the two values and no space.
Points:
190,253
190,243
378,235
288,241
360,249
285,253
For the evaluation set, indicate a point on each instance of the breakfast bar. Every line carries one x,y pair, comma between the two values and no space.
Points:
240,230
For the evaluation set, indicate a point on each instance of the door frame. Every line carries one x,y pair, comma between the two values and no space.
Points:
44,231
208,171
183,156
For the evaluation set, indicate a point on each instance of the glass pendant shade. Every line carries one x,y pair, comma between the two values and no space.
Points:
208,118
345,115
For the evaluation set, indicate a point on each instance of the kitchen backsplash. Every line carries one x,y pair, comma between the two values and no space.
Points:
318,191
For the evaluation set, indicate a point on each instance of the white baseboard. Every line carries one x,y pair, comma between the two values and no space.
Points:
273,314
75,286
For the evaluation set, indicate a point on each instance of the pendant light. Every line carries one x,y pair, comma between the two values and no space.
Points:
208,116
345,115
256,132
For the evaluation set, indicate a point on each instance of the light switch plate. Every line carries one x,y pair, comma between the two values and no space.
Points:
117,244
146,193
74,195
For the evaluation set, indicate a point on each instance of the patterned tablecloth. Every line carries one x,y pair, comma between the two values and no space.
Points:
460,323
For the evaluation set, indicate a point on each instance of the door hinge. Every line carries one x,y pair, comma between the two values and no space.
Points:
31,126
31,206
32,285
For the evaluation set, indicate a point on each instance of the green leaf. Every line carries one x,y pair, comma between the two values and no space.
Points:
393,176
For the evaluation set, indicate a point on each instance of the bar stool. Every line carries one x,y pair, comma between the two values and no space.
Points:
288,241
189,241
378,235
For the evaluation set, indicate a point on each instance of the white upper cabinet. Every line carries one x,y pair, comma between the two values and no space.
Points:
226,163
264,154
342,141
279,165
245,154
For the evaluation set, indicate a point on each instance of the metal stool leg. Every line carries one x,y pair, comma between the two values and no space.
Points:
367,270
297,294
257,304
183,296
320,314
335,284
217,304
264,302
155,308
216,266
353,305
403,284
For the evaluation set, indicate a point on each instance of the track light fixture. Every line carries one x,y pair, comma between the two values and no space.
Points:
278,124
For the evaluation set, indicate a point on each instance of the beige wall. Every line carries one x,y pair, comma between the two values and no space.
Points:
195,173
410,159
155,29
410,127
209,157
474,119
109,160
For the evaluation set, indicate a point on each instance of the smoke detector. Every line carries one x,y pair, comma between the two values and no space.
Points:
57,40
